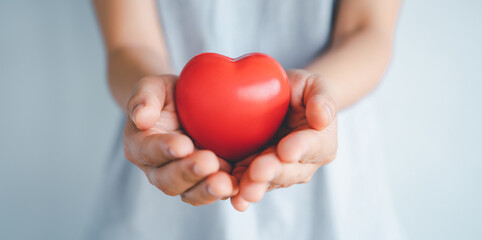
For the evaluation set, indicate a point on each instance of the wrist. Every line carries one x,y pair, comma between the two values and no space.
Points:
128,65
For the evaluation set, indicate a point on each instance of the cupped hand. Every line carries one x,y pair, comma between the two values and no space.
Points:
309,141
154,142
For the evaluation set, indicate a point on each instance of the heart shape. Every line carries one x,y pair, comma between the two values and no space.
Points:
232,107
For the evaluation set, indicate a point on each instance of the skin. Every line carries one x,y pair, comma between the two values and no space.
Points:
141,83
352,66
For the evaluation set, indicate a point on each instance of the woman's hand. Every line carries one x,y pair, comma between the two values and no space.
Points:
154,141
310,143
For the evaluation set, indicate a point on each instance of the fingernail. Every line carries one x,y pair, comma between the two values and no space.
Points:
134,112
328,109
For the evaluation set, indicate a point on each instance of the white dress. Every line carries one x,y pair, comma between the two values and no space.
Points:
347,199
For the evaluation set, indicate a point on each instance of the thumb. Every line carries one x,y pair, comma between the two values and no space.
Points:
321,107
147,100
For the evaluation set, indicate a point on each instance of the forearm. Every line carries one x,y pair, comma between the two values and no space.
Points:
354,64
134,44
128,65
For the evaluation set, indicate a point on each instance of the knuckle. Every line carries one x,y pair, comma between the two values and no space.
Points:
313,77
167,191
187,176
189,201
145,157
285,182
146,160
273,187
127,153
186,171
306,180
184,199
300,176
286,185
153,182
153,179
129,156
296,76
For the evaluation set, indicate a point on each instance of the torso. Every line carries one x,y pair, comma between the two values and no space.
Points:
345,200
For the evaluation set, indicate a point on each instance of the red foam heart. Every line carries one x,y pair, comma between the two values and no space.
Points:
232,106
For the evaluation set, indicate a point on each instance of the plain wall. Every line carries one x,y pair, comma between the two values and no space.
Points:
58,121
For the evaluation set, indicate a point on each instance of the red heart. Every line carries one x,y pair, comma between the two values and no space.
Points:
232,106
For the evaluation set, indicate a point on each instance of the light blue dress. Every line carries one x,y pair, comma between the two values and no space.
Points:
348,199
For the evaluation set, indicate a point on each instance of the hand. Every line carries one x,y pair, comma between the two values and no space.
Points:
310,143
154,142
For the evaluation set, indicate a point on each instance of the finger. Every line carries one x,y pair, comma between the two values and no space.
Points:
235,191
308,146
224,165
250,190
293,173
216,186
319,112
245,162
239,203
158,149
320,104
178,176
264,167
235,183
238,172
147,100
241,166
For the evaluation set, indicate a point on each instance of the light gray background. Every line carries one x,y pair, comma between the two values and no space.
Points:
58,122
